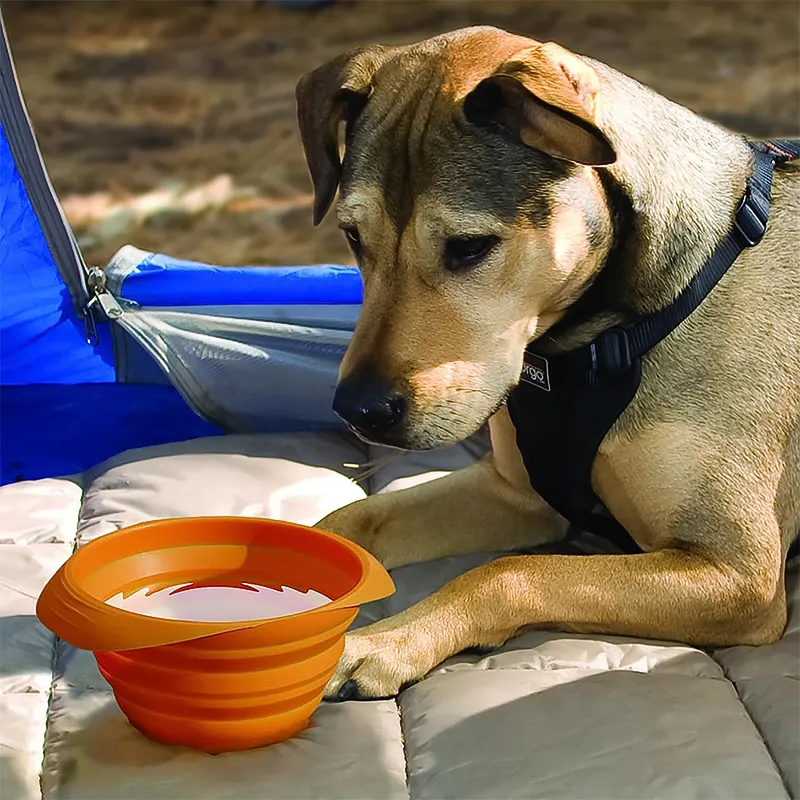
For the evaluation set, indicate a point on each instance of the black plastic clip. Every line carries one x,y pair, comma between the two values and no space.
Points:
610,353
752,216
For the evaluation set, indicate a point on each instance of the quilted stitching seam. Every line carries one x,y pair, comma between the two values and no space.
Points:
57,644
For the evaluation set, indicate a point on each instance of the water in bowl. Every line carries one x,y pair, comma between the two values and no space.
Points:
189,602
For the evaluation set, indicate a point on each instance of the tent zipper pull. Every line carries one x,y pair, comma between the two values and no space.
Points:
101,298
90,326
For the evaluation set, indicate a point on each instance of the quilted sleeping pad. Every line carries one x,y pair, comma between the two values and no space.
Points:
549,715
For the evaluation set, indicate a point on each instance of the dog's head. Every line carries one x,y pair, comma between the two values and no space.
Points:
470,197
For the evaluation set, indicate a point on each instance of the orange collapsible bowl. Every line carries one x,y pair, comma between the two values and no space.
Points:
214,686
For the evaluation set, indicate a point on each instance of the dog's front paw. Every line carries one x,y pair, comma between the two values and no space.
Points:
376,665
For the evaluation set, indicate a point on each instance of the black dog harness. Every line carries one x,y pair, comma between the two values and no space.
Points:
564,405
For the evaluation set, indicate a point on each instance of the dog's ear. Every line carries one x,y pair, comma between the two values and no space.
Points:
327,96
548,98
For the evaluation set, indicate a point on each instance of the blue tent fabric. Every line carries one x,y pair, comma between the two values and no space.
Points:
42,340
160,280
48,430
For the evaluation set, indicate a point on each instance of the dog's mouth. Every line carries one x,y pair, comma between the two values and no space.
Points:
429,431
382,440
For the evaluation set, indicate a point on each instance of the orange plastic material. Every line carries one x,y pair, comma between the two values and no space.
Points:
214,686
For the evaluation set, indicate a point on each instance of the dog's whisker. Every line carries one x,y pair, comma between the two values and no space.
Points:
370,468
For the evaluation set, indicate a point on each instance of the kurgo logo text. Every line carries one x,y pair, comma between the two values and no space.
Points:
535,371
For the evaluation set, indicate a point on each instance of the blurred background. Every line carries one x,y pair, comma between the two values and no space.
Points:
171,124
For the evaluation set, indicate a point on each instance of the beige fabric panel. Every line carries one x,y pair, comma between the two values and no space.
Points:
768,681
299,478
37,533
395,469
23,718
578,732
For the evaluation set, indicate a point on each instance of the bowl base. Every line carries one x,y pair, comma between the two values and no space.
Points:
242,743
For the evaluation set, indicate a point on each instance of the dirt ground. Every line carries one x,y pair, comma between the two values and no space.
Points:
171,125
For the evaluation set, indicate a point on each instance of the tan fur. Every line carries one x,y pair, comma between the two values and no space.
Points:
703,467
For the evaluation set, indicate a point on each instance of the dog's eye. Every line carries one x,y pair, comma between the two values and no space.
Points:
466,252
353,239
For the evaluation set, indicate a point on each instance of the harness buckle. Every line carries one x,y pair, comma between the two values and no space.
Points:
610,353
752,216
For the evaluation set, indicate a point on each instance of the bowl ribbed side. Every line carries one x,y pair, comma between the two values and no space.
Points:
214,735
221,704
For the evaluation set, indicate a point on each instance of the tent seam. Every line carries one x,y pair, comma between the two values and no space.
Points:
404,745
50,695
757,729
54,661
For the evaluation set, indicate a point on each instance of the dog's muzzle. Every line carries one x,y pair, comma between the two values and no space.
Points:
369,406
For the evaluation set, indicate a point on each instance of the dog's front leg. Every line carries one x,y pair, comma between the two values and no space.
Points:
472,510
669,594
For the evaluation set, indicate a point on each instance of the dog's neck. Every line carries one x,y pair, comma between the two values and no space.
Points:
675,186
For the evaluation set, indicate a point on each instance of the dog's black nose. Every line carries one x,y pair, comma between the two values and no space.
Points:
368,404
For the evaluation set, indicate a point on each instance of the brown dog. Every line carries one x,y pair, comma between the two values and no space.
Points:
474,240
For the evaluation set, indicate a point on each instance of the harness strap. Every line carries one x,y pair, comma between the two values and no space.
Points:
617,348
784,149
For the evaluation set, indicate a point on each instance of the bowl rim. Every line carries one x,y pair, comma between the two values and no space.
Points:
64,605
